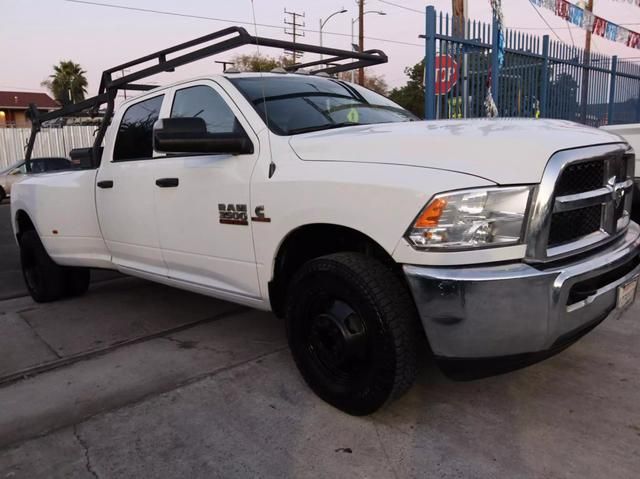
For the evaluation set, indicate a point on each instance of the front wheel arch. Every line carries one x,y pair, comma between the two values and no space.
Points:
311,241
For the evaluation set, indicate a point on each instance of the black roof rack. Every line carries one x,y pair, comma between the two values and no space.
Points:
225,40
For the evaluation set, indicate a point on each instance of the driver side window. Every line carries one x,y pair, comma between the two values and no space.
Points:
204,102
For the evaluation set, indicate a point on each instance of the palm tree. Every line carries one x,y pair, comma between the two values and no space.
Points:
68,83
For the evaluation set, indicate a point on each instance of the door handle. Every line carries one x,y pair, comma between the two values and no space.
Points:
105,184
167,182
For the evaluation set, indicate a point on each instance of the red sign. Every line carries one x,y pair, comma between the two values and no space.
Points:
446,74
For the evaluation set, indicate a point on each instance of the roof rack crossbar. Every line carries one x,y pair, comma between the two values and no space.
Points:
138,87
238,37
330,63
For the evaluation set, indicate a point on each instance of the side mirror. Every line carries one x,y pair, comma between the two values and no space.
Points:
83,158
190,135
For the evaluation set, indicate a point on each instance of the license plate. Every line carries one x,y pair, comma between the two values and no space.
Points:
627,294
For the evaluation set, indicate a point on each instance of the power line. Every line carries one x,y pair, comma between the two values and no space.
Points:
397,5
545,21
235,22
548,27
571,34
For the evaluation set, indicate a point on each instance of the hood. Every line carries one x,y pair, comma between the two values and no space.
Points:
505,151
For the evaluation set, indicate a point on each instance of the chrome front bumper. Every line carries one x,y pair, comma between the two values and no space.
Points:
516,309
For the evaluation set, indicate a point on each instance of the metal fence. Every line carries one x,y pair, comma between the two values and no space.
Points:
49,142
539,77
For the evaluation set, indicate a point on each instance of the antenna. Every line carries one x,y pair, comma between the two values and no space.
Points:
294,31
272,164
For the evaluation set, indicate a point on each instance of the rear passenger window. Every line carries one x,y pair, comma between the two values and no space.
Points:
135,134
204,102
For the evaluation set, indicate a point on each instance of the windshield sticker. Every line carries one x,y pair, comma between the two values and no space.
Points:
353,116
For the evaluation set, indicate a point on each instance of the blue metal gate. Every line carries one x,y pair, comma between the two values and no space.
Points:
540,78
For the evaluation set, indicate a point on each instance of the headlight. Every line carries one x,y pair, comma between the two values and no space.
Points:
472,219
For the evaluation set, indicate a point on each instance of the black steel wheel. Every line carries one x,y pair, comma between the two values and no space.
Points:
45,280
352,329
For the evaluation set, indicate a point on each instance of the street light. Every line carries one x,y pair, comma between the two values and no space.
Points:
353,38
354,20
323,23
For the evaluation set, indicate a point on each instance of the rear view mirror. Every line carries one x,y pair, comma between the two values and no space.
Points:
190,135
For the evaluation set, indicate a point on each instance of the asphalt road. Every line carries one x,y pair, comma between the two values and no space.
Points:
139,380
11,283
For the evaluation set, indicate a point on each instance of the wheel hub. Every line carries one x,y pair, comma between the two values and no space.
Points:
338,335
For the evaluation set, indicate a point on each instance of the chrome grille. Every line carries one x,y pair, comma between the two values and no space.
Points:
569,226
584,201
581,177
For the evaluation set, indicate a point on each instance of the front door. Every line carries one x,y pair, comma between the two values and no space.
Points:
202,203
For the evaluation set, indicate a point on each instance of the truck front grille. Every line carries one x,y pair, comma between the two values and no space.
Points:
572,225
584,201
581,177
591,199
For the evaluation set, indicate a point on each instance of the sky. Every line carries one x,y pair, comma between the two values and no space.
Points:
36,34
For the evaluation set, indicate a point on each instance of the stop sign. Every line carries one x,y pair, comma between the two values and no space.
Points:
446,74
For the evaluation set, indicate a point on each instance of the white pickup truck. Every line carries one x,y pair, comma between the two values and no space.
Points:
500,241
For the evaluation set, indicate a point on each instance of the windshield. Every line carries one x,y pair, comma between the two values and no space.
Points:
300,104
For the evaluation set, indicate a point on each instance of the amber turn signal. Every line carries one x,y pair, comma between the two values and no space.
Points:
430,216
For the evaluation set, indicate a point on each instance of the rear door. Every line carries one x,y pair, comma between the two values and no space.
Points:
126,187
203,214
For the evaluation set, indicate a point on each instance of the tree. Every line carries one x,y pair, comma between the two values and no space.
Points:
376,83
259,63
411,96
68,83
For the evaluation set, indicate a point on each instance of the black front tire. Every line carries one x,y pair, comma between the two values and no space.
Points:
353,331
77,281
47,281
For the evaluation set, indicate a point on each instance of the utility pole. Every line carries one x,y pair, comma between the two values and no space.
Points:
459,9
294,31
585,71
361,38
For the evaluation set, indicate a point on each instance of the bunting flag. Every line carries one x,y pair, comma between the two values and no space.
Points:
633,2
590,22
489,103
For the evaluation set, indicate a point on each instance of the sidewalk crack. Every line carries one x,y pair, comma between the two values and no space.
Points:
39,336
189,344
85,447
384,451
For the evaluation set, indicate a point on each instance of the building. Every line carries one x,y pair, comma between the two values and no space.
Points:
14,105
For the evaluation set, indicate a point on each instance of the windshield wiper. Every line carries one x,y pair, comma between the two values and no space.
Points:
328,126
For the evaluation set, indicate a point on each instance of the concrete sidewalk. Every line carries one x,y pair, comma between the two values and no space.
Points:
224,400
